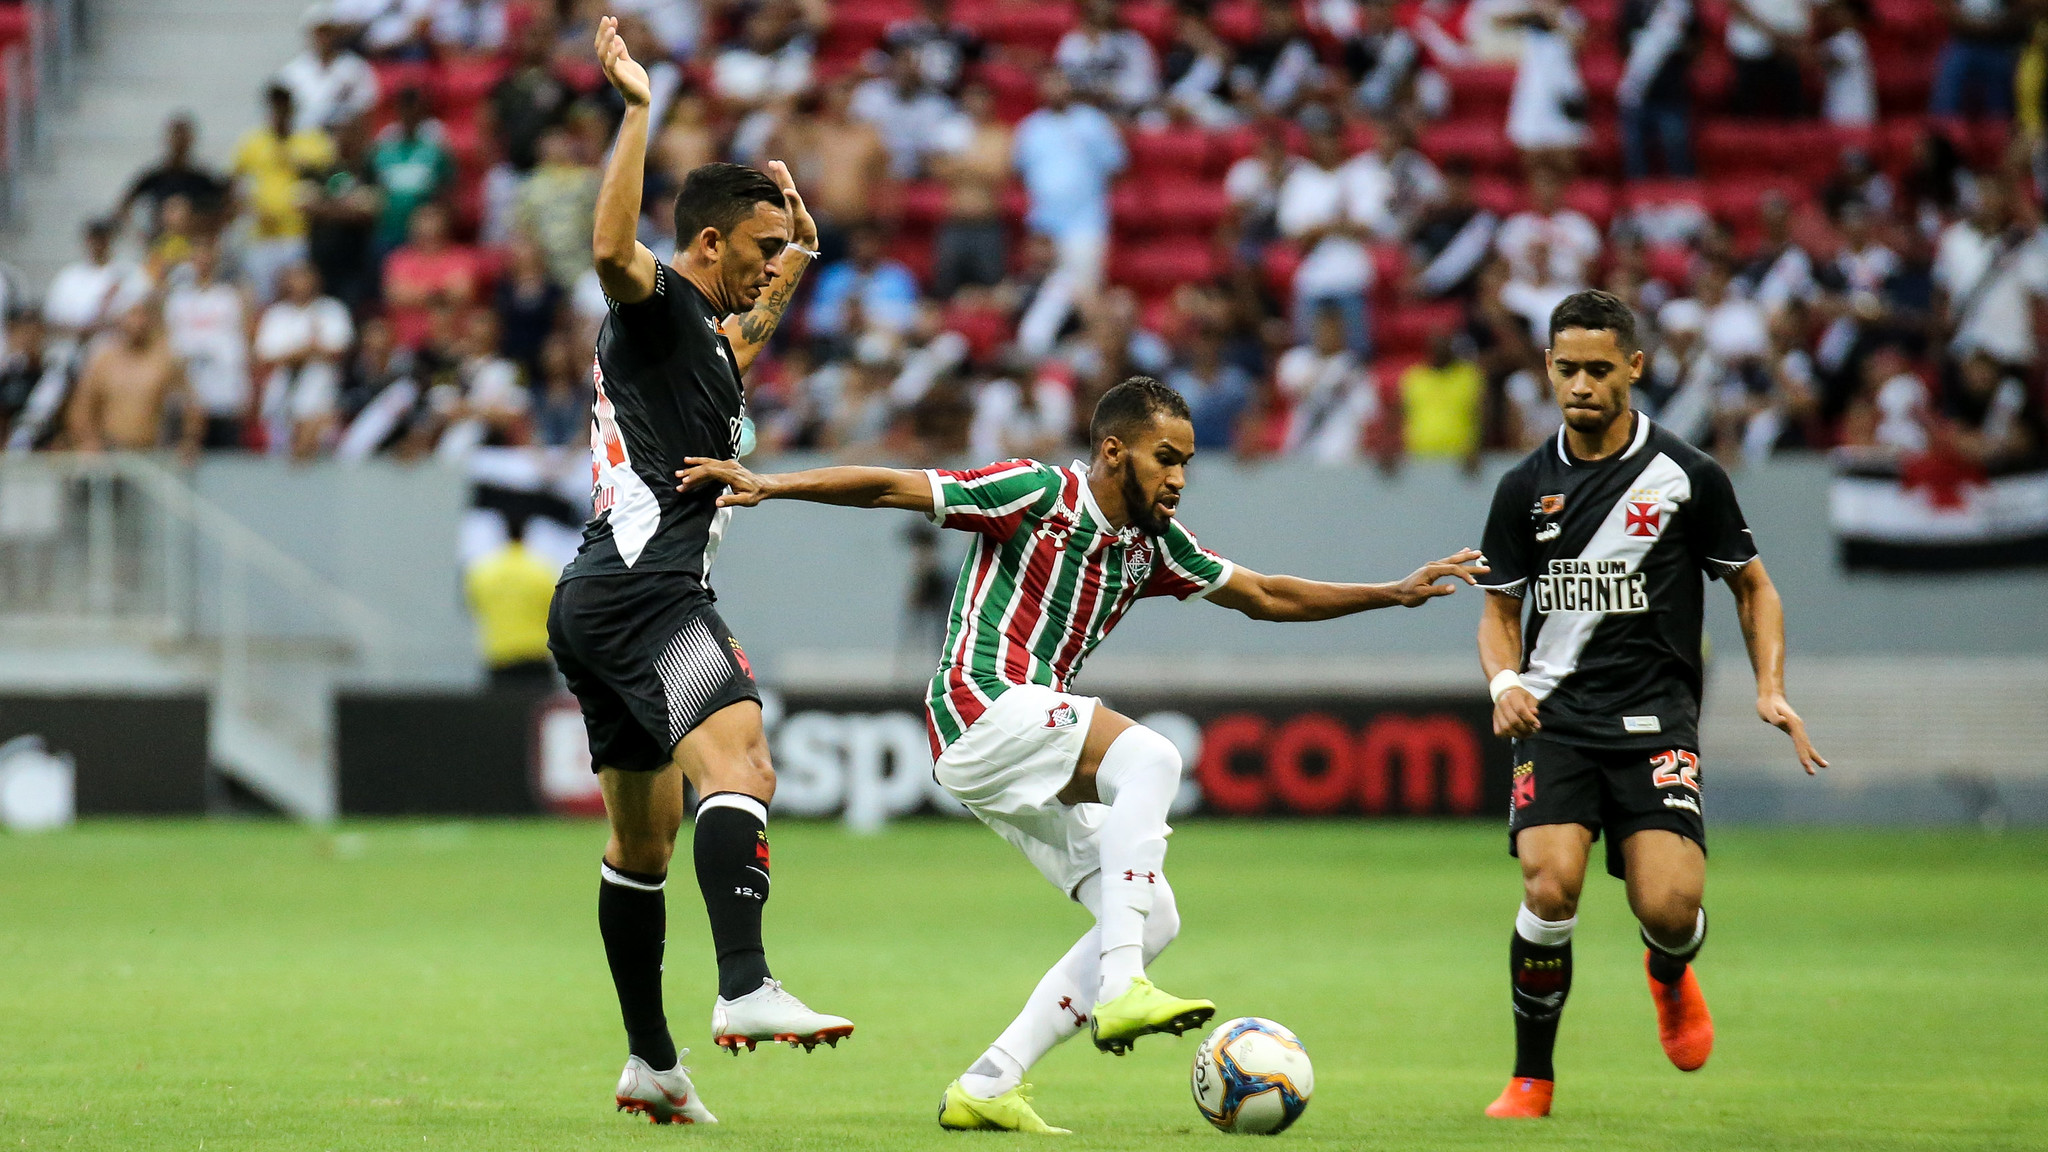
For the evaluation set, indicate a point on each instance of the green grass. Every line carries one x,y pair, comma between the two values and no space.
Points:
262,986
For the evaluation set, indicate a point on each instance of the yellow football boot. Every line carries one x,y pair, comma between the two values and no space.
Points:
1142,1010
1009,1112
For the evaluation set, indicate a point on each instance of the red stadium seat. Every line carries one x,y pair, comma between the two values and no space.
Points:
1168,152
1190,207
859,27
14,23
986,330
1671,263
1594,198
1405,331
1236,20
465,81
1281,261
1389,271
922,204
1162,265
1482,144
1014,87
1481,91
1032,26
1498,194
1152,19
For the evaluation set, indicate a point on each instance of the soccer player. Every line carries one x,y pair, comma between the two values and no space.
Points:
1604,533
666,692
1060,555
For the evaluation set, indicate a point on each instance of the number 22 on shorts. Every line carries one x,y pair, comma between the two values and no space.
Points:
1675,769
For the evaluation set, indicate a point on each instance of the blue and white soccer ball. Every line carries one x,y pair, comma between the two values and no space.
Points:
1252,1076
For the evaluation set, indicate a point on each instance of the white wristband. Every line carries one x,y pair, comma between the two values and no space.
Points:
1503,680
809,254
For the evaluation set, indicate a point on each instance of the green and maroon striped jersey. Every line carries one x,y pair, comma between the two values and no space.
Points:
1047,579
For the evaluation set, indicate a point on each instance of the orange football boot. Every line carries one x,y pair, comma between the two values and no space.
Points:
1523,1099
1683,1023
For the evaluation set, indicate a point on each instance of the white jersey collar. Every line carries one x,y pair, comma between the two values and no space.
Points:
1635,445
1080,469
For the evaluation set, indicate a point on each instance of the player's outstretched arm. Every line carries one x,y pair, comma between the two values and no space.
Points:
749,333
1500,651
1763,629
850,486
1291,598
624,265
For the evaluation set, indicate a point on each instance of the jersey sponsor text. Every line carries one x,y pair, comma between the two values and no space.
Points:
1574,585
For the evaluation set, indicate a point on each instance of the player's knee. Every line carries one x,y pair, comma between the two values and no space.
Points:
1138,754
643,849
1670,916
1549,897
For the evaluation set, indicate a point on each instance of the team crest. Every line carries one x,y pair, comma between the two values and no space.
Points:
1062,715
1645,518
1138,560
740,654
1551,505
1525,784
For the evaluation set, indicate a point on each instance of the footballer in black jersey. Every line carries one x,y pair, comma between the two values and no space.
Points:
1603,539
666,691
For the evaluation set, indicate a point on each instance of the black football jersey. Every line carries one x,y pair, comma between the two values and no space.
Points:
666,387
1608,555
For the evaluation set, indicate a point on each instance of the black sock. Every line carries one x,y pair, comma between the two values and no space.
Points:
633,919
1667,966
1541,977
731,851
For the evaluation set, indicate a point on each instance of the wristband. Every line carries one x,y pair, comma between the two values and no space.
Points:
1503,680
808,252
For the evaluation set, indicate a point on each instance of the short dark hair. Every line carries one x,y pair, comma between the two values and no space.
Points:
1131,405
1595,311
720,196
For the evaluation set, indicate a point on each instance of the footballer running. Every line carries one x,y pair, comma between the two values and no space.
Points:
666,692
1060,554
1600,537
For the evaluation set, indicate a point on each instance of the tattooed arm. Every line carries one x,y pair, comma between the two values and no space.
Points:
749,333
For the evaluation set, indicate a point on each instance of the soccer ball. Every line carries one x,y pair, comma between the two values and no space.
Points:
1252,1076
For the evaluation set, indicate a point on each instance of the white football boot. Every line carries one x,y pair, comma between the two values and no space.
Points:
663,1097
771,1013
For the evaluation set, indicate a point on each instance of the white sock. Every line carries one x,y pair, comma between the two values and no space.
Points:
1138,779
1536,930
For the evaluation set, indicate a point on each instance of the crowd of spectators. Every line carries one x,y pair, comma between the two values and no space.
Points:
1287,210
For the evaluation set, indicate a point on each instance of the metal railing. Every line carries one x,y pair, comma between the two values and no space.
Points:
38,79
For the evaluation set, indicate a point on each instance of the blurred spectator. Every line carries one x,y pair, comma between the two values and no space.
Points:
561,411
943,48
1993,273
1197,71
1108,64
840,163
1936,185
677,25
385,28
908,115
1974,73
300,345
1547,110
177,231
1658,40
1454,238
1736,329
1535,291
469,27
1253,187
1443,400
80,296
33,386
1016,421
176,174
207,320
509,592
341,222
426,271
1329,392
973,158
557,205
380,393
1997,420
1766,39
330,85
530,98
1681,379
1066,154
1772,405
492,405
1565,236
885,289
1278,69
275,164
1783,269
1855,279
1217,391
1890,411
1392,185
1849,84
1383,59
1860,181
527,304
688,141
413,166
131,385
1335,270
773,59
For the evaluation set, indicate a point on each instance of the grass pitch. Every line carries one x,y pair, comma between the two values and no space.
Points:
387,986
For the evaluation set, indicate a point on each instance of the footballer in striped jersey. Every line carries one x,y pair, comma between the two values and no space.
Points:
1059,555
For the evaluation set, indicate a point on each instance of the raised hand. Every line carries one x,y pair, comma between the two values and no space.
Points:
1779,714
620,68
1421,585
803,229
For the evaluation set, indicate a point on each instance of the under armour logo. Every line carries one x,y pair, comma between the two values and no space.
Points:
1067,1004
1148,877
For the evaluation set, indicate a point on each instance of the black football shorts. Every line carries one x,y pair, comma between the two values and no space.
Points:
1618,791
648,659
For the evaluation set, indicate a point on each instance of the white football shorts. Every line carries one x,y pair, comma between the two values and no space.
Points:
1008,768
